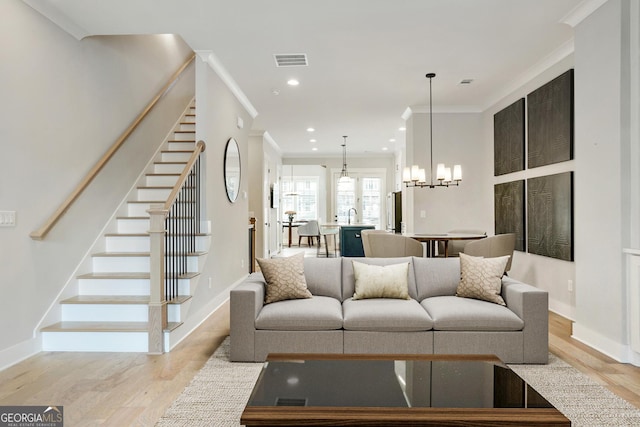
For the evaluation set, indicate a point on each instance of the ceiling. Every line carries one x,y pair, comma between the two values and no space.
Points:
367,59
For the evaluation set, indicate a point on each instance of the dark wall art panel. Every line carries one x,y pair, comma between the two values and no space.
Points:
509,210
550,216
508,139
550,122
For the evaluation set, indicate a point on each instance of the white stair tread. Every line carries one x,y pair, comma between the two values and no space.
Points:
190,275
97,327
142,254
119,299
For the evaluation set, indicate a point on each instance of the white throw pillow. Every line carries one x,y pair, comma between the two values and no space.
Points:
377,281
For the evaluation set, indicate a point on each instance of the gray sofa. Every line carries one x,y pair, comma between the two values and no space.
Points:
434,320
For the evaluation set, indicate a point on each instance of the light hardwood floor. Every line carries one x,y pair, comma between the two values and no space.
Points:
124,389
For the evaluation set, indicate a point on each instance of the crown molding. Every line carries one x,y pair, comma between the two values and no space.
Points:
266,136
52,13
581,12
541,66
210,58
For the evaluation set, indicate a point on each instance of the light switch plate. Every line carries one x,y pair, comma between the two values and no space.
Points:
7,218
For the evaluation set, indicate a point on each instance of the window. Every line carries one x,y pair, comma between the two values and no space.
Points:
305,202
363,192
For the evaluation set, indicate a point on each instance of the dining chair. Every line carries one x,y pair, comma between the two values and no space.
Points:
382,244
493,246
310,230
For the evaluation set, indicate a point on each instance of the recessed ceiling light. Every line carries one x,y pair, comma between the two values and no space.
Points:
314,149
312,140
384,148
311,130
392,140
402,128
293,82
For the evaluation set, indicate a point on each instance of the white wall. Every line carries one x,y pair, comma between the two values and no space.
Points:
264,160
217,115
64,102
457,139
601,179
546,273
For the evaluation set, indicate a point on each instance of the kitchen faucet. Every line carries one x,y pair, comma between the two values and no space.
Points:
349,214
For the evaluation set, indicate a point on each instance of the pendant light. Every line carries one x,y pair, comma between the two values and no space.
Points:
344,175
416,176
292,187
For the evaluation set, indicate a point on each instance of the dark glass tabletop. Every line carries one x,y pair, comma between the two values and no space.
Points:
444,382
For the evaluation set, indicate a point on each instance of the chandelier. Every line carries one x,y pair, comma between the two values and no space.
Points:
416,176
344,175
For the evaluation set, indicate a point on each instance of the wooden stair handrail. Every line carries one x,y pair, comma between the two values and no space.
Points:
200,147
48,225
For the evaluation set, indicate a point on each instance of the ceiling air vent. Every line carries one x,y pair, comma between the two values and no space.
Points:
466,81
291,60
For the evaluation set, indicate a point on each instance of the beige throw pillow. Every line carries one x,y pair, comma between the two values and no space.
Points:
377,281
285,278
481,278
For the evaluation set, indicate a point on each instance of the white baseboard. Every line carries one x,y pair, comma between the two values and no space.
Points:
605,345
564,310
19,352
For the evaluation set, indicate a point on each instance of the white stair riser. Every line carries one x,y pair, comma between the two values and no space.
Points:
138,209
133,225
124,286
128,244
184,146
169,156
187,125
173,313
189,135
113,286
169,167
132,264
105,312
96,341
153,194
161,180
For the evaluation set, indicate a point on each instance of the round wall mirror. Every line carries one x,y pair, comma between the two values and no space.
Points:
232,169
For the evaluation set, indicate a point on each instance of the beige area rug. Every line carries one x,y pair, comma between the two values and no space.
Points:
218,393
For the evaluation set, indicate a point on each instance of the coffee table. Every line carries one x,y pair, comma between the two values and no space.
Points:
394,390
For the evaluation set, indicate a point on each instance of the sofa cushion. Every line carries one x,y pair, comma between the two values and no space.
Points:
381,281
324,276
481,278
285,278
451,313
349,280
436,276
385,315
317,313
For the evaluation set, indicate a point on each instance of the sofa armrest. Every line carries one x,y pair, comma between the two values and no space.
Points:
246,301
531,305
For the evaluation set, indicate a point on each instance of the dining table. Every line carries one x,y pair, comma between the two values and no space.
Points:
431,240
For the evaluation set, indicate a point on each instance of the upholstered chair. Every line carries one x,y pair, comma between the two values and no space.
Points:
381,244
310,230
493,246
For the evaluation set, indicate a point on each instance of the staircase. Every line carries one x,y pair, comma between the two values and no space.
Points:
110,311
